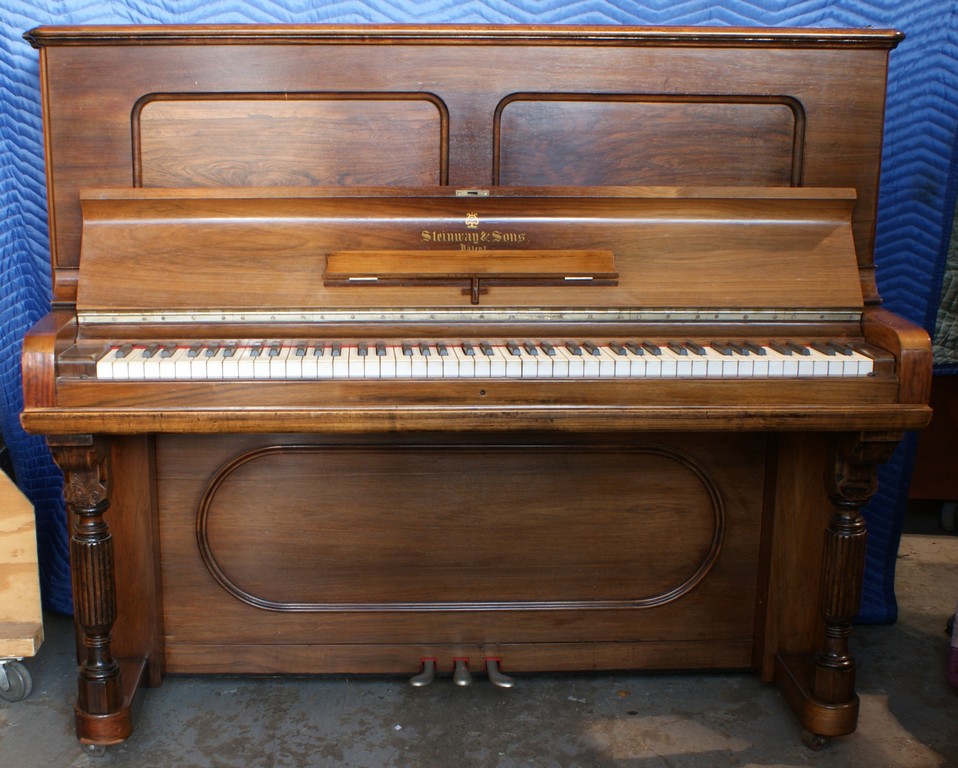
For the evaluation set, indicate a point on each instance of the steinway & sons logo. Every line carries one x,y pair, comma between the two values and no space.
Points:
474,237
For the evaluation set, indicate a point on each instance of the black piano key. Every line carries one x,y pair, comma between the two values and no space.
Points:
574,348
697,349
442,349
738,349
195,350
407,349
168,350
275,349
591,348
634,348
319,350
380,349
618,349
819,346
336,349
229,350
486,348
530,348
300,350
124,351
468,349
798,348
513,348
362,349
150,350
754,348
842,349
256,350
424,349
212,349
782,349
546,347
651,348
678,348
721,348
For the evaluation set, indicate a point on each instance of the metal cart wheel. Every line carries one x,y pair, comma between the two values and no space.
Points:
15,681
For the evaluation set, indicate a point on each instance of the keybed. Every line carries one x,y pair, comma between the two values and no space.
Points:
480,359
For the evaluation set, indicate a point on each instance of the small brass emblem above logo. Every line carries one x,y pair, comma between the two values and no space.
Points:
472,220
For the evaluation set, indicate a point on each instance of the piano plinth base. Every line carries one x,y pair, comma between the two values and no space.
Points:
793,676
103,730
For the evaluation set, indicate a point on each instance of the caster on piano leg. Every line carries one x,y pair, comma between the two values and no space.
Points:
815,741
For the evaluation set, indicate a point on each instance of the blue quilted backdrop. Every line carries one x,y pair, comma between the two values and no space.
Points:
916,204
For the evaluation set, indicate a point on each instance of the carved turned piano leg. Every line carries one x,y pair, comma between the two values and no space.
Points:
821,690
105,687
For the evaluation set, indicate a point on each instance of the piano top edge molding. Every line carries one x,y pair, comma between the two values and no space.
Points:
578,193
165,34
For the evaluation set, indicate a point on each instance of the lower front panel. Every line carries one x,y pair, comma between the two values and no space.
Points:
285,554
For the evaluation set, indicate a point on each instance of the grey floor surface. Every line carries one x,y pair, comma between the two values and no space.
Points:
909,713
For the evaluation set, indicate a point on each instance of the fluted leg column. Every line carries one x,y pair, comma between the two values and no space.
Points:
821,687
105,687
852,479
91,557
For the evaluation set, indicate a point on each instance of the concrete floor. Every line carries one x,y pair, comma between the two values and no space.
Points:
909,715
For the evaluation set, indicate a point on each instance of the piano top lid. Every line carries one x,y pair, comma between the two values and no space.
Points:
247,255
459,34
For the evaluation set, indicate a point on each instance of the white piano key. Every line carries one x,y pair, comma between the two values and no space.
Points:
544,365
450,362
324,364
370,364
262,364
606,363
465,363
574,366
860,365
675,365
419,362
230,362
497,362
353,362
136,364
404,363
340,362
310,363
106,363
558,364
168,365
388,362
512,363
698,364
242,364
279,364
151,364
433,363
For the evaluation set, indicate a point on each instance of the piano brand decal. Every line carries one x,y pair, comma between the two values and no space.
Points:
474,238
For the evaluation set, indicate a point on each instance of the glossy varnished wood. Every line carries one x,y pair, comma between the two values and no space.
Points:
494,87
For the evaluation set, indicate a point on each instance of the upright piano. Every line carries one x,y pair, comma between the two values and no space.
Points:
466,351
